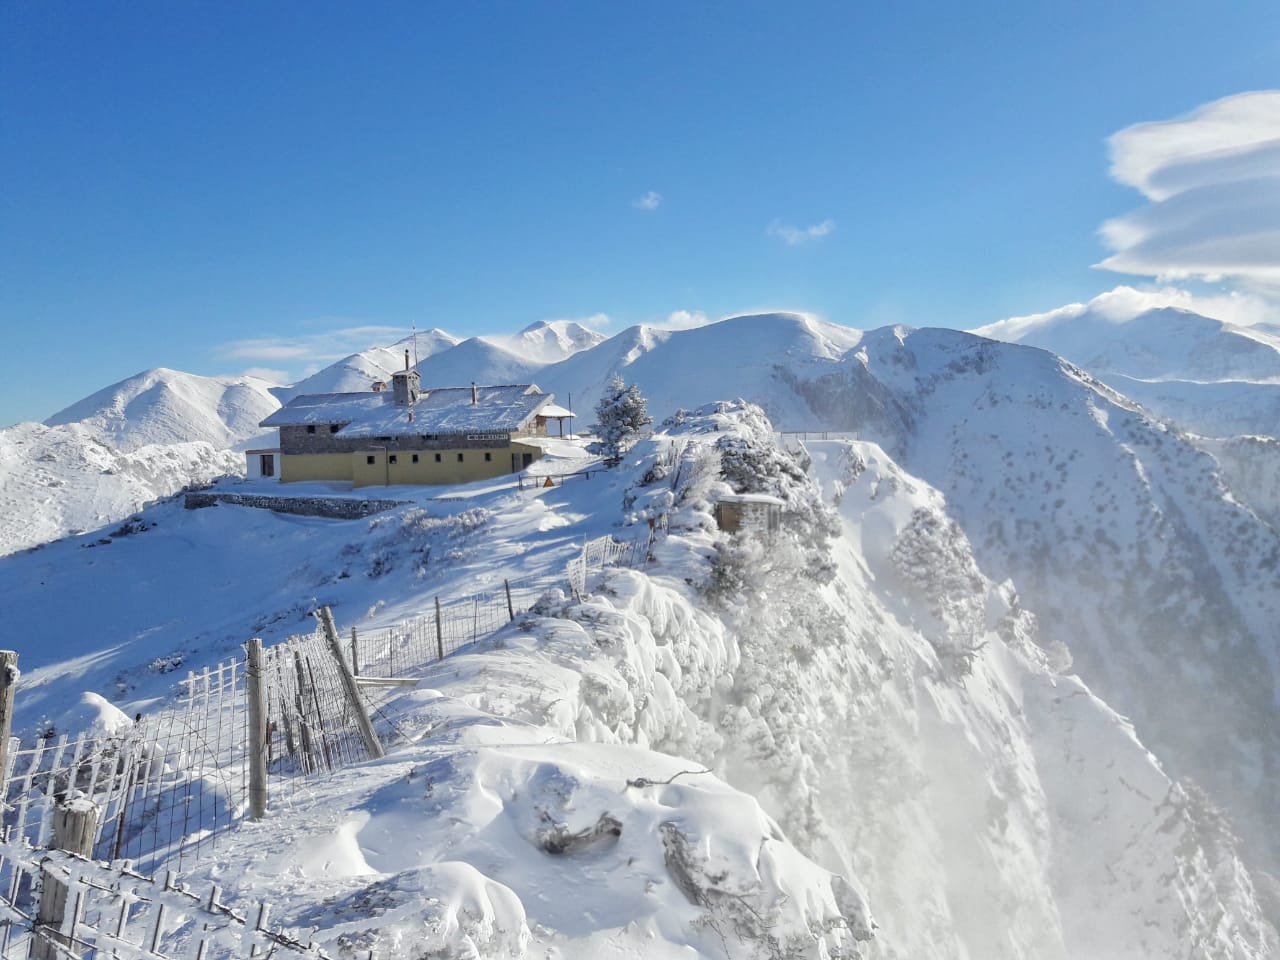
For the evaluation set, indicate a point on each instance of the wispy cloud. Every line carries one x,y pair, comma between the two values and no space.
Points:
277,377
649,201
684,320
793,236
1212,180
322,347
594,321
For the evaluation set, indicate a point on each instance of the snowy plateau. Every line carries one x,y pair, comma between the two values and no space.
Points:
1005,684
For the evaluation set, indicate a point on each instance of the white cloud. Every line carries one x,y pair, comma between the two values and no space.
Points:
794,236
1212,180
649,201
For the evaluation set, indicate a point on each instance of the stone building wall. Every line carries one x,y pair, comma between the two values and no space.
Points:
338,508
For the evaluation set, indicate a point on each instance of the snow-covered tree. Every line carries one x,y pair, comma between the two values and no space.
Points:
620,416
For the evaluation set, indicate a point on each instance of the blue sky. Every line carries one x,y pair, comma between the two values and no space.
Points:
179,178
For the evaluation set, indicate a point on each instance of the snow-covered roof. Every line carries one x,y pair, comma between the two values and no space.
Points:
443,410
752,498
555,410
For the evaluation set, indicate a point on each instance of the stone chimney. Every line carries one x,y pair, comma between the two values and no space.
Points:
405,387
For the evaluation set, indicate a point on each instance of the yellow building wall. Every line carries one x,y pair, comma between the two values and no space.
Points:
449,469
315,466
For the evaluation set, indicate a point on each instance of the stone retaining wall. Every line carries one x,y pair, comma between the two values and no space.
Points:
337,508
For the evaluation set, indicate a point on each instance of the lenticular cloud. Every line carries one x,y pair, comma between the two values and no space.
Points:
1213,182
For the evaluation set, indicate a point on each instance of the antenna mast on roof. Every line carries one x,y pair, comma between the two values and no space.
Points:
413,394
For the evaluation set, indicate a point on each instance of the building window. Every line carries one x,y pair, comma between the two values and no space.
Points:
488,456
311,428
459,458
333,428
415,458
391,458
370,459
268,465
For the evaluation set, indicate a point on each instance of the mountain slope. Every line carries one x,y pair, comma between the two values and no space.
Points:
62,480
1124,539
167,406
358,371
1158,344
873,712
1207,376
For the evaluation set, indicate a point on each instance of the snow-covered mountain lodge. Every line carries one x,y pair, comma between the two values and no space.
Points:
407,435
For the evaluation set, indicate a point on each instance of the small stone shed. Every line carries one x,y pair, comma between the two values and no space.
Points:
756,512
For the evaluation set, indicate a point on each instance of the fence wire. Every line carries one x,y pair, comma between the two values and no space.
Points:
164,787
169,784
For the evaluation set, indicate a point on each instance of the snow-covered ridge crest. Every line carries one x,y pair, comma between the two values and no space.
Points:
167,406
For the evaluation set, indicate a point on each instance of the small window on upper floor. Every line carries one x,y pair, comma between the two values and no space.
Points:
459,458
488,456
370,459
391,459
333,428
311,428
415,458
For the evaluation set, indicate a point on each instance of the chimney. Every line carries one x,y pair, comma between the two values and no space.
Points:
474,397
406,359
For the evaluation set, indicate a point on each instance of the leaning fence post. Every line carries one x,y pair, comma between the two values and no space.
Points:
257,692
363,723
8,682
511,610
439,631
355,653
75,821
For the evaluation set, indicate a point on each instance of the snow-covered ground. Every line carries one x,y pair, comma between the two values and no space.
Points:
845,741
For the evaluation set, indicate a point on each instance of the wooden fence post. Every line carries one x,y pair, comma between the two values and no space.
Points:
355,653
75,821
363,723
511,610
8,683
439,631
257,693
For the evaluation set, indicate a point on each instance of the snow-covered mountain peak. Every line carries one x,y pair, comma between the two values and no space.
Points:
1158,343
163,406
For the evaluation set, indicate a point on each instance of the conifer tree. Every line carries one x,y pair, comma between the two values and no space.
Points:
620,416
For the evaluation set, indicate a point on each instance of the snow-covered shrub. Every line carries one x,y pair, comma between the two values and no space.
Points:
933,556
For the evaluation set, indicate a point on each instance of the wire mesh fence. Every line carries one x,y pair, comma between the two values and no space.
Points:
111,910
310,718
406,647
165,786
169,784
